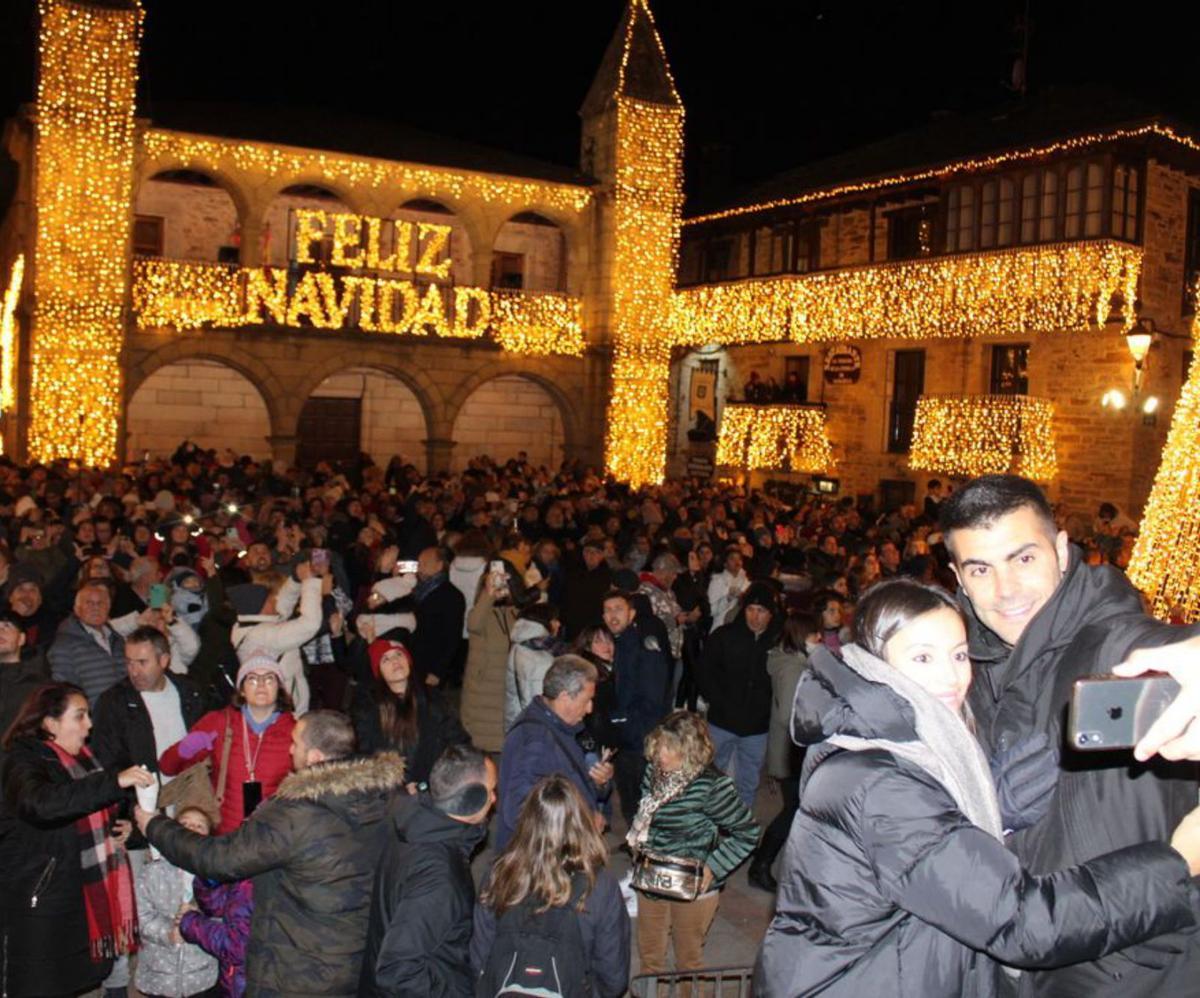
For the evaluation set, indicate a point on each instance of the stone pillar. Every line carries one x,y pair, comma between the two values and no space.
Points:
252,237
438,452
283,449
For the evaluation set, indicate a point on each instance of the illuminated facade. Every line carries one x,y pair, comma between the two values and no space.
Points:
249,289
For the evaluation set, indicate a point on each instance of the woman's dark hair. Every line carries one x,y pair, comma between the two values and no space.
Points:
48,700
283,700
982,501
891,605
540,613
796,629
398,714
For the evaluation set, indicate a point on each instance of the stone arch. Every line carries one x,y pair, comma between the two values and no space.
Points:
200,219
229,181
279,183
543,380
213,349
549,263
201,399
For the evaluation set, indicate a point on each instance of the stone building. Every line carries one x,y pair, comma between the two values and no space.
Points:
960,249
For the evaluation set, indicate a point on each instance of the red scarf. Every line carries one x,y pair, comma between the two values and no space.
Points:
107,878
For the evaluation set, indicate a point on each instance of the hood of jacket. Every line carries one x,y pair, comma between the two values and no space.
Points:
467,565
356,787
833,699
416,820
527,630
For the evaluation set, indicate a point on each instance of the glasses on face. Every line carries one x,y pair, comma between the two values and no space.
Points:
262,679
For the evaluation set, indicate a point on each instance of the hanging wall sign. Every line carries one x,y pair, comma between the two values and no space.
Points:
843,364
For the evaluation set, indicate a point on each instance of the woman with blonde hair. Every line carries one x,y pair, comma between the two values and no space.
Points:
690,833
551,911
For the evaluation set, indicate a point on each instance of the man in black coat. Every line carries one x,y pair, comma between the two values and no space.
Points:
587,583
733,678
421,909
312,850
1038,619
146,713
440,609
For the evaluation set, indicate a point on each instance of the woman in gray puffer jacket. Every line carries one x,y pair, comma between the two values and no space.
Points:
534,646
167,965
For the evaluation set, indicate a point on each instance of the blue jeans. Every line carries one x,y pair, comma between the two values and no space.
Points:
746,753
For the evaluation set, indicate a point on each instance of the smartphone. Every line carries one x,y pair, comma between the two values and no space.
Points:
160,592
319,558
406,568
1109,712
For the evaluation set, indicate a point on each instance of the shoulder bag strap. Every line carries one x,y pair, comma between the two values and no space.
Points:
223,775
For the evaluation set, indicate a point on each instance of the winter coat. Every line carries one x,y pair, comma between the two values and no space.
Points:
312,851
209,668
76,657
539,744
465,573
733,678
785,669
435,641
123,733
528,662
887,888
603,925
222,927
488,629
41,876
17,681
583,598
642,675
283,638
708,821
1092,622
421,906
164,967
437,729
273,760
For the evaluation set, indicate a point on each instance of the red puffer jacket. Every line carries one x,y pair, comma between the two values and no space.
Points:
271,755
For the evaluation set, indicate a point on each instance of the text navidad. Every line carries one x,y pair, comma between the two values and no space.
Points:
384,304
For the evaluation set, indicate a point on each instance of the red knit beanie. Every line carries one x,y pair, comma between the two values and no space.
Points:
380,647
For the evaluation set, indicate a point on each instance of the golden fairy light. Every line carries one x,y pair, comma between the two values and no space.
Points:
1166,557
8,334
774,437
972,435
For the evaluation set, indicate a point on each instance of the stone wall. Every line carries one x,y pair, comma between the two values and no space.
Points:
392,419
197,220
505,416
197,400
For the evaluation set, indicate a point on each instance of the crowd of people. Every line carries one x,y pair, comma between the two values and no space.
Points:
258,723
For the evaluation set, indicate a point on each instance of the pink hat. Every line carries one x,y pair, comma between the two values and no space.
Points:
260,661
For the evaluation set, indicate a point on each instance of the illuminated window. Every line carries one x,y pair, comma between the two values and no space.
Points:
1010,369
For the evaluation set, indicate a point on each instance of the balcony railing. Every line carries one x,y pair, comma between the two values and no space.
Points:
187,294
970,435
775,438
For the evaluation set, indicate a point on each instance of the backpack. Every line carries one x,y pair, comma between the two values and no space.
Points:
538,954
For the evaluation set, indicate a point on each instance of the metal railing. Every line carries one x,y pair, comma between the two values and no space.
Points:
709,982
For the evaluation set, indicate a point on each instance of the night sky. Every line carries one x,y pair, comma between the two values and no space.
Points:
767,85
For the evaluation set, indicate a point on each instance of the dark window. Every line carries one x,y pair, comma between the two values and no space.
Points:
908,382
808,247
1029,208
1191,256
773,249
718,260
691,255
147,235
508,270
1010,369
796,389
1125,202
329,430
960,219
910,232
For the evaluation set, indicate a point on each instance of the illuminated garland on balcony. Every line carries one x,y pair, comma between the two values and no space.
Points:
1007,292
176,294
963,166
972,435
8,336
1166,557
219,155
83,185
777,438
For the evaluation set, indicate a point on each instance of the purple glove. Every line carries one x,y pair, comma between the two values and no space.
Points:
192,745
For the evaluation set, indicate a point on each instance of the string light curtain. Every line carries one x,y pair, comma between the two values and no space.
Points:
1039,289
8,335
970,435
83,190
1166,557
776,438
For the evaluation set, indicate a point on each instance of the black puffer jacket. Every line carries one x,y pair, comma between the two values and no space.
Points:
1104,801
733,676
312,850
421,910
45,941
888,889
